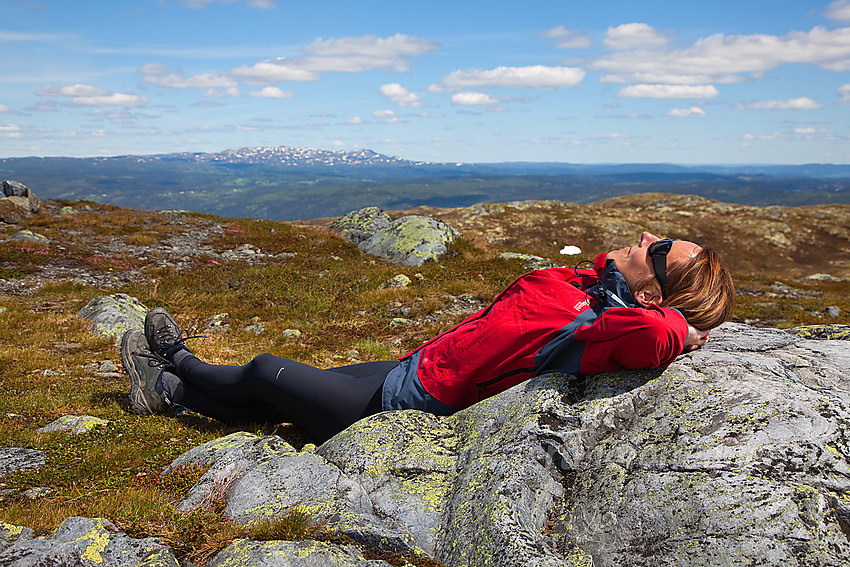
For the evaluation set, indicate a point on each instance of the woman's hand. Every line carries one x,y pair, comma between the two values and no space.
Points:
696,338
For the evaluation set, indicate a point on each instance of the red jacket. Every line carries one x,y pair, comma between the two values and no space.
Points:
575,321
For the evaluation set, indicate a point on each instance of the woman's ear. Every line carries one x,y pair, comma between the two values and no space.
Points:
648,295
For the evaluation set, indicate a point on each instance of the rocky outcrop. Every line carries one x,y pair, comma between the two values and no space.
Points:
737,454
17,203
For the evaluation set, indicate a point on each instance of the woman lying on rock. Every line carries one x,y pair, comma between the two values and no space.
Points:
577,321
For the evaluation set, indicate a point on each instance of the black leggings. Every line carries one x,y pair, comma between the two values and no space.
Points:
319,402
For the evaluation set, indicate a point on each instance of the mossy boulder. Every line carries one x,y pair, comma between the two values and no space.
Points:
411,240
114,314
361,224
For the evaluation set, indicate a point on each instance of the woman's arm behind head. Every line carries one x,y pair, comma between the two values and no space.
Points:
702,290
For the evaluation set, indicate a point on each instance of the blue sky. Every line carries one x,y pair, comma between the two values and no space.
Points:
697,82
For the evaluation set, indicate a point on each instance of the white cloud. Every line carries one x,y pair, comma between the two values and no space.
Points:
271,92
473,99
399,95
844,93
114,99
634,35
387,116
720,57
365,53
670,79
201,4
178,81
355,121
802,103
9,128
4,108
276,70
804,130
345,55
71,90
686,112
668,91
153,69
839,10
568,39
535,76
87,95
221,93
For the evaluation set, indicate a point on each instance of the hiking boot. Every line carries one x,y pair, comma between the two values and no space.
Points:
144,371
162,333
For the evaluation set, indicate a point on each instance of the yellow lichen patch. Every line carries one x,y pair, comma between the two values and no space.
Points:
835,451
10,530
99,539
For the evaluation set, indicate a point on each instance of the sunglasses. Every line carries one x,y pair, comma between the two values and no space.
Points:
658,253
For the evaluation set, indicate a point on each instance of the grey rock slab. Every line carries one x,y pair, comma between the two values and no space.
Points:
291,554
19,459
720,460
406,463
85,542
10,534
264,478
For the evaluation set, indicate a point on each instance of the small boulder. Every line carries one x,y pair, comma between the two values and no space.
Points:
30,237
84,542
76,424
400,280
18,202
114,314
219,322
294,334
14,210
411,240
361,224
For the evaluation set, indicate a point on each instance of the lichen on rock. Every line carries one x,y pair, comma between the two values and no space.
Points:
114,314
411,240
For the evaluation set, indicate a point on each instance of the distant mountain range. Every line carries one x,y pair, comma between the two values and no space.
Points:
289,183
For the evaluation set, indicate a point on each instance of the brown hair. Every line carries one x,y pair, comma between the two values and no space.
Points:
701,289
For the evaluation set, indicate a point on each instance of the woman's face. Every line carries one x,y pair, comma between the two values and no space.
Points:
636,265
